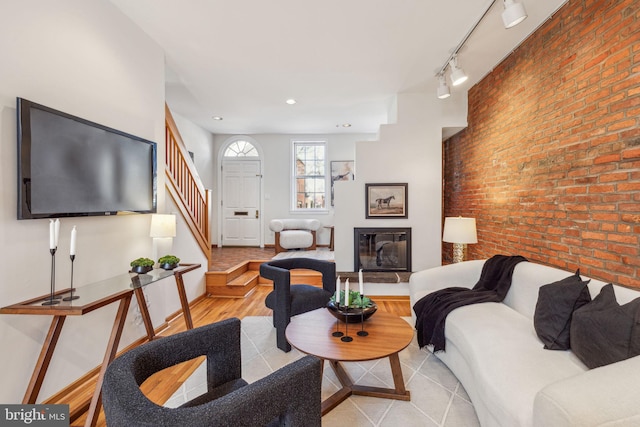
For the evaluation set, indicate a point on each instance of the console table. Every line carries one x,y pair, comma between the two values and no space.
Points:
92,297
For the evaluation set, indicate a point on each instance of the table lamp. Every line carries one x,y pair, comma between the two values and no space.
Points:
459,231
163,230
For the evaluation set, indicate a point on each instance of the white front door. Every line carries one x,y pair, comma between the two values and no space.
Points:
241,203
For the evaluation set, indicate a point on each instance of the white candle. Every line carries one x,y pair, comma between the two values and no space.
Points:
338,291
360,280
346,293
52,234
57,231
72,251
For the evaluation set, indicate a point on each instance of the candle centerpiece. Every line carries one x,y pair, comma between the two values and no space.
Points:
351,306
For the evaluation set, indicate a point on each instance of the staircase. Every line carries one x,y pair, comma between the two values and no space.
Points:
241,280
237,282
185,187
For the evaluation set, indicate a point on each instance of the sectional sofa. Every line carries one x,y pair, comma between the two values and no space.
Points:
495,351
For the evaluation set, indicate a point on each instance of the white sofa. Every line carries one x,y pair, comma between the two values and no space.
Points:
494,351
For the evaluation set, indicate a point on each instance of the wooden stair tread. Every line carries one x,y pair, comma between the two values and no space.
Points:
244,279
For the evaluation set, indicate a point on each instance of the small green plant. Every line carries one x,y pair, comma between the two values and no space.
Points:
355,300
169,259
142,262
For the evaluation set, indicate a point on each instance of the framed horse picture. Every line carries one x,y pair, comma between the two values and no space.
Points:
386,200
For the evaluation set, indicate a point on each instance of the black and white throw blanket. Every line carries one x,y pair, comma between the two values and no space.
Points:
432,309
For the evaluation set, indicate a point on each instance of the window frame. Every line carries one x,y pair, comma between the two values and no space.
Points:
293,208
242,155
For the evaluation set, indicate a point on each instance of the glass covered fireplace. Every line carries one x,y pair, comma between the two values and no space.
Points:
382,249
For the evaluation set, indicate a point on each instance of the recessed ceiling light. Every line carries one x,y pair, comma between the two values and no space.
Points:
216,118
346,125
290,101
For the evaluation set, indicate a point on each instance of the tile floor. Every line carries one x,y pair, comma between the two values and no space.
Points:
437,398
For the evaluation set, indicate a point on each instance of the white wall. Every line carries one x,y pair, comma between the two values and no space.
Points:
277,174
201,143
86,59
409,151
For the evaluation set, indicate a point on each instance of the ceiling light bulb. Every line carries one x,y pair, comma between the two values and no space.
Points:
216,118
290,101
513,14
457,74
443,89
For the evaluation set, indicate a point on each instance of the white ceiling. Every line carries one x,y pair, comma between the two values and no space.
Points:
342,60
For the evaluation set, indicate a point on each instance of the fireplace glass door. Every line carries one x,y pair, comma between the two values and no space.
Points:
382,249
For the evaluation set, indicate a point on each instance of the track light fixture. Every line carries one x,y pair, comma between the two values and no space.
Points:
457,74
513,14
443,89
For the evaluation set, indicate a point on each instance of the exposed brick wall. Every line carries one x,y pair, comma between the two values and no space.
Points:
550,162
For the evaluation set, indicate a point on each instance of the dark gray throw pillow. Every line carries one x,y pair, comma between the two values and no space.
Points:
556,303
604,332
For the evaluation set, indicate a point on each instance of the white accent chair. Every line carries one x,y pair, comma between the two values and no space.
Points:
294,233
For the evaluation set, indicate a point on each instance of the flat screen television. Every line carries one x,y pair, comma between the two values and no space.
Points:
68,166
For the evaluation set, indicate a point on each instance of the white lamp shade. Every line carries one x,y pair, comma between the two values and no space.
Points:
460,230
163,225
513,14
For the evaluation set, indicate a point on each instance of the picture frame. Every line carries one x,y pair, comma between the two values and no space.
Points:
341,170
388,200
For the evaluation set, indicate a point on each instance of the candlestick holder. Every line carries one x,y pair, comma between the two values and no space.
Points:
52,300
346,337
362,332
337,332
71,297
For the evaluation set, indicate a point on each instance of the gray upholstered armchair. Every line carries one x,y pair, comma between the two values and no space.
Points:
287,300
289,396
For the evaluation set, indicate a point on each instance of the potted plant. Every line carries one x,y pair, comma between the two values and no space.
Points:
142,265
169,262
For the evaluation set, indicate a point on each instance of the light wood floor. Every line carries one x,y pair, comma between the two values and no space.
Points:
208,310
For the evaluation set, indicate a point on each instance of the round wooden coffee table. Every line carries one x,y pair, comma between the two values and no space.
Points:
312,333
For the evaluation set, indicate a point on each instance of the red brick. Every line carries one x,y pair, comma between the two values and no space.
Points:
631,154
563,113
607,159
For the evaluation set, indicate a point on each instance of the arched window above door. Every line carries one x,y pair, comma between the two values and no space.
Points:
241,148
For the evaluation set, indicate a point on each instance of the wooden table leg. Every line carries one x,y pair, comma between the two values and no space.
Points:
341,395
349,388
398,380
44,359
110,354
397,393
186,311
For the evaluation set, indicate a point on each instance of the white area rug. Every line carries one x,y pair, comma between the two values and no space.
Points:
437,398
321,254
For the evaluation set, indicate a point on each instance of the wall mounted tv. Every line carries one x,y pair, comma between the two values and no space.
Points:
68,166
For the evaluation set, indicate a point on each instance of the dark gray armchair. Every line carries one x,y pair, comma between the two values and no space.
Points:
290,396
288,300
